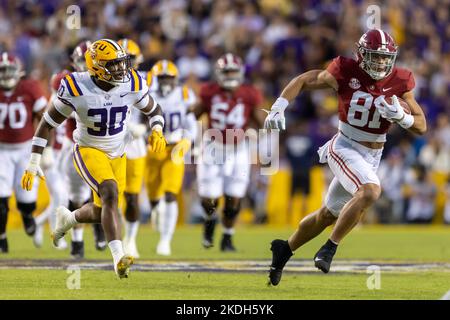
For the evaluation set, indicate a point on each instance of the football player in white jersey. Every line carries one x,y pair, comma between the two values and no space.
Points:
166,169
136,151
101,99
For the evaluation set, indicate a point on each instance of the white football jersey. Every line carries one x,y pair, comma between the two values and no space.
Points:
101,116
137,148
175,106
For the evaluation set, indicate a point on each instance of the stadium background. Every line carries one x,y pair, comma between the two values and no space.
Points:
277,39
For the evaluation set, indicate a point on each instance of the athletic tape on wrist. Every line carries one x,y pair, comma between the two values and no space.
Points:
39,142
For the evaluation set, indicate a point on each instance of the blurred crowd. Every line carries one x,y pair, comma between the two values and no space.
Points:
277,39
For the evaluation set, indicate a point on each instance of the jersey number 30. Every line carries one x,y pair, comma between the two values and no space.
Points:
107,124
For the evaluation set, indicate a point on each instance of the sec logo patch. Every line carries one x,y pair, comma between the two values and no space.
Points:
354,83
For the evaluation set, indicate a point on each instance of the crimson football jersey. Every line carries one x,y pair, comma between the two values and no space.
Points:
358,94
16,111
229,109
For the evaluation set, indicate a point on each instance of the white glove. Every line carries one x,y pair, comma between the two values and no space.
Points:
392,112
275,118
48,158
137,129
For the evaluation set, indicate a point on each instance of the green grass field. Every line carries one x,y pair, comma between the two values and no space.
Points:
383,245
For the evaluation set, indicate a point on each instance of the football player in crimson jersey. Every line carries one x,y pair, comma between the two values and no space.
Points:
22,102
354,153
229,105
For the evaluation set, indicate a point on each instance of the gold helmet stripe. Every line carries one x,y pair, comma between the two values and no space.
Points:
149,78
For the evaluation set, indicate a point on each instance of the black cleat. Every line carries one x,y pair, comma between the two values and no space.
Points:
281,253
208,232
99,237
324,257
4,245
29,224
226,244
77,251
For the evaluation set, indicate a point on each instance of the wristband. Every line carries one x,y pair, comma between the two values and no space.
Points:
407,121
39,142
35,158
281,103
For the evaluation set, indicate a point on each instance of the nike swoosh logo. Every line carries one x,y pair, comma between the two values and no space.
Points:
317,259
276,114
123,95
386,89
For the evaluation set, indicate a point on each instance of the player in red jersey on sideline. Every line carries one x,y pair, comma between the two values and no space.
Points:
22,103
353,154
229,105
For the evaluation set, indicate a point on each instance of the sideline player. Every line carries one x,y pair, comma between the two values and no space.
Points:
354,153
101,99
230,105
166,170
22,102
135,151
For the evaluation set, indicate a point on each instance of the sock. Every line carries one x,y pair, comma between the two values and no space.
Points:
77,234
116,250
228,231
169,222
131,230
331,244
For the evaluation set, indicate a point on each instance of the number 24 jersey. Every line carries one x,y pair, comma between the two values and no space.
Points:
101,116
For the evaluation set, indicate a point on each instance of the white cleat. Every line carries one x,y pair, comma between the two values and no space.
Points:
62,244
122,268
130,248
163,248
38,238
62,225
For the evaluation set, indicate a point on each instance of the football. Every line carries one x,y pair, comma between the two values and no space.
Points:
403,103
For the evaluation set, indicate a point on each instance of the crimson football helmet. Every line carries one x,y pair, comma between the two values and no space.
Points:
10,71
229,71
77,56
376,53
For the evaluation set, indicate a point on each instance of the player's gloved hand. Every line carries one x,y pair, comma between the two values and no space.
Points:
137,129
157,141
180,150
33,169
392,112
275,117
48,158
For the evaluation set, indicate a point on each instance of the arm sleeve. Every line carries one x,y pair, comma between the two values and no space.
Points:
142,96
336,70
64,101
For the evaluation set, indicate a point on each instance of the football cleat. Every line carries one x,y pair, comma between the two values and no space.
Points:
163,248
226,244
62,244
29,225
323,258
4,245
62,225
38,237
208,232
77,251
99,237
122,268
281,253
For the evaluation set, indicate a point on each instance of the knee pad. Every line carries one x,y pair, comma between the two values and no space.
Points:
209,205
26,209
231,213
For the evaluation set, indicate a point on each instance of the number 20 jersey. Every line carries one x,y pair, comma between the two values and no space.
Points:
358,95
101,116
